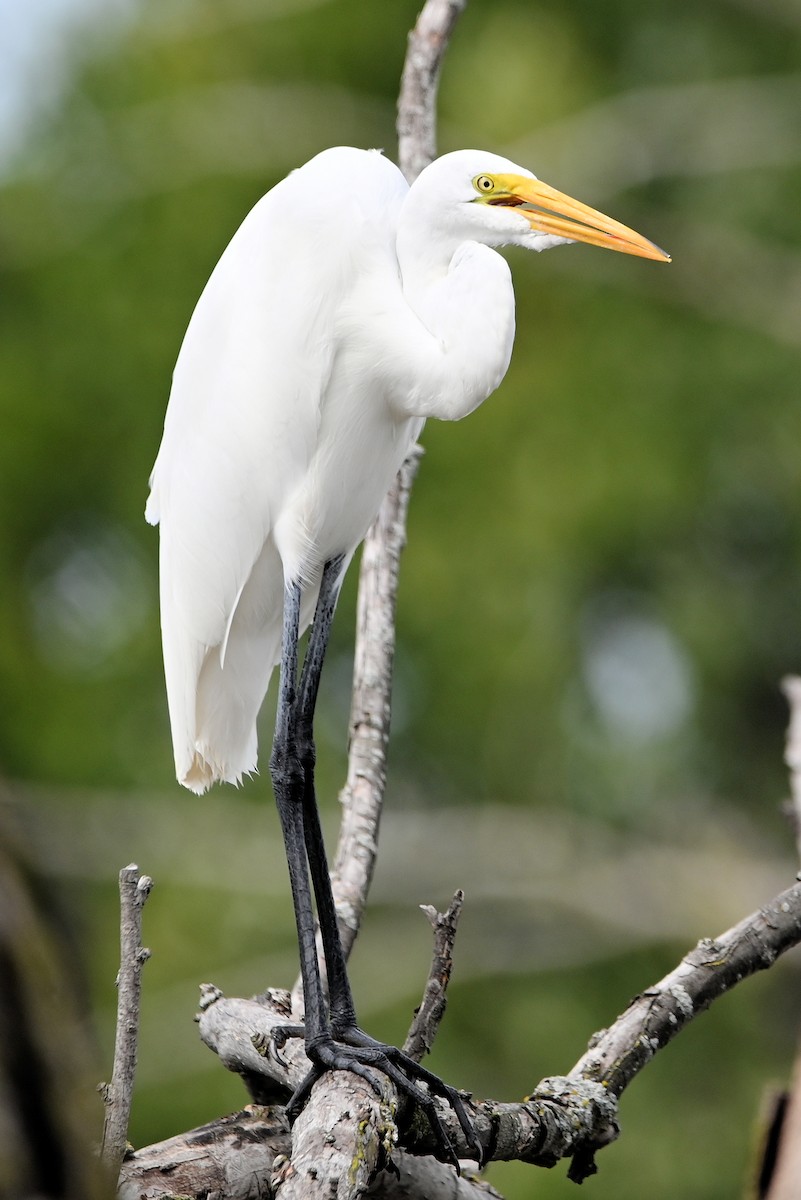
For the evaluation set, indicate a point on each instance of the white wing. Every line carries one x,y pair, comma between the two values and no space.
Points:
243,432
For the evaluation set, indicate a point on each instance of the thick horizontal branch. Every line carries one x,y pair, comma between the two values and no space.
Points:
246,1155
223,1158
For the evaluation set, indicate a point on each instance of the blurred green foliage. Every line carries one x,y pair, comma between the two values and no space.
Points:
602,584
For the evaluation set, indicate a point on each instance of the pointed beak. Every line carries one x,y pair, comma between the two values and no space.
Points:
549,211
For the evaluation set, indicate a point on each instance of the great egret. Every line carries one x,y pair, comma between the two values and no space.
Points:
347,309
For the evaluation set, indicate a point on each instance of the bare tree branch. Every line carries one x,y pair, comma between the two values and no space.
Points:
362,796
423,1030
780,1166
232,1157
791,686
779,1160
708,971
245,1155
565,1117
337,1142
417,102
117,1095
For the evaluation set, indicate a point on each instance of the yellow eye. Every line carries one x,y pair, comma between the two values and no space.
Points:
483,183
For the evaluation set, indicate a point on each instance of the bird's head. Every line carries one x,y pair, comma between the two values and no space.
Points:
496,202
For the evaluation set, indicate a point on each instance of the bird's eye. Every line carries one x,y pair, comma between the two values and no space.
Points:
483,183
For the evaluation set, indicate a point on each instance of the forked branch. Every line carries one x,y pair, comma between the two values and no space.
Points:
565,1117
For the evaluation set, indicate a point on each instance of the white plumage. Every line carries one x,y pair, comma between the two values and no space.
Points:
346,310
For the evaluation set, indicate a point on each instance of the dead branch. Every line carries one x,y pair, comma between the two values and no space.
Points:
423,1030
231,1157
713,967
779,1176
246,1155
117,1095
362,796
565,1117
417,114
791,686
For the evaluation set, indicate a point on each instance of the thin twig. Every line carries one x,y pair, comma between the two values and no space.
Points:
423,1029
117,1095
791,686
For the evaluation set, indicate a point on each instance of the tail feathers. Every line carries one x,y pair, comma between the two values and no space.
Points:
203,770
219,742
214,698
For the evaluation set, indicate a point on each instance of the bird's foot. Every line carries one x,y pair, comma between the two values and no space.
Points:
350,1049
279,1036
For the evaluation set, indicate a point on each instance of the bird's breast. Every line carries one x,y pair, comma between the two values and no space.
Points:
359,449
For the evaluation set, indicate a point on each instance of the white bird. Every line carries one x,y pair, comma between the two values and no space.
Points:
347,309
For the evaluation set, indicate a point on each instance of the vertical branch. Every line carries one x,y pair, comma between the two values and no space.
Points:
363,794
423,1030
417,102
117,1095
780,1166
791,686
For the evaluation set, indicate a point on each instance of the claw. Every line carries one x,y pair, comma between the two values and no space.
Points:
279,1036
274,1049
301,1093
352,1050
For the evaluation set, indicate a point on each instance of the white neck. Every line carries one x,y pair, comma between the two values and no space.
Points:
461,291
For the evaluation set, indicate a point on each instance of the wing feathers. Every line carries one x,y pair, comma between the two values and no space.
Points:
241,432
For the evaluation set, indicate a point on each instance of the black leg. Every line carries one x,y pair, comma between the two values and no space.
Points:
333,1041
288,783
341,1007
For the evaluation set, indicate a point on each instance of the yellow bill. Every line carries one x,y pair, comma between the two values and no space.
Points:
550,211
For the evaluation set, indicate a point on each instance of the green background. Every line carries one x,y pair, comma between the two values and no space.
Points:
601,589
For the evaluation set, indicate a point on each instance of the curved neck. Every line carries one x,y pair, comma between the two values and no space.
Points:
425,250
461,292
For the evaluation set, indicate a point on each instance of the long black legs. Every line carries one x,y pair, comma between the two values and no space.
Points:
288,784
341,1008
333,1039
292,768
